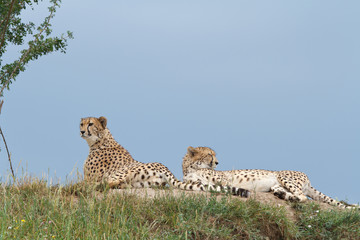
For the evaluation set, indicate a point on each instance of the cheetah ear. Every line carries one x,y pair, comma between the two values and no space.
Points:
191,151
103,121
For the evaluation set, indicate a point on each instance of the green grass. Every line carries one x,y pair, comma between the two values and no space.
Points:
33,210
316,224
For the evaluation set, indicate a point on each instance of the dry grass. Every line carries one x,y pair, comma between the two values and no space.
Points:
31,209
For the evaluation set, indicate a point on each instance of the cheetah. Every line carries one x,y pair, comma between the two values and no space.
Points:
199,164
108,162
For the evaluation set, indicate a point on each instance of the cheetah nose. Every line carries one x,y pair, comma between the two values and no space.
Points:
216,163
82,132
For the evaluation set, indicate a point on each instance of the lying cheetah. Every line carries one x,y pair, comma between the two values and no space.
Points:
109,162
199,164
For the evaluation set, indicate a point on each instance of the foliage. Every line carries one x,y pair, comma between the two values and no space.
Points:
14,31
34,210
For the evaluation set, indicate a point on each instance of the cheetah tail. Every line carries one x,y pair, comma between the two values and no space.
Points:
318,196
193,186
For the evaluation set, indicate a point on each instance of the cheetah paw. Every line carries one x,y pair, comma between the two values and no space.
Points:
280,194
243,193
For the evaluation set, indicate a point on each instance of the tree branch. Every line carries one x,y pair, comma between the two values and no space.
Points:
8,153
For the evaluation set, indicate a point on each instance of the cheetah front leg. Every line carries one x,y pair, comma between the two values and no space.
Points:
289,189
215,183
210,186
117,179
282,193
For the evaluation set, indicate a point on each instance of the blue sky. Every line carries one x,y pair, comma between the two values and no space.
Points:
267,84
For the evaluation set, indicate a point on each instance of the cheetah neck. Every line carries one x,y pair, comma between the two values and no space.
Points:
105,141
188,166
185,166
188,171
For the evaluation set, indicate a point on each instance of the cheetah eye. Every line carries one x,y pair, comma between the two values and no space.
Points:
81,124
90,124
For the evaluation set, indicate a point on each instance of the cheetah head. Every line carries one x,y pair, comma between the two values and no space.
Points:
199,158
92,129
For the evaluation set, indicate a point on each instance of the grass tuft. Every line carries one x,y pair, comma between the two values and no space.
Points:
34,210
315,223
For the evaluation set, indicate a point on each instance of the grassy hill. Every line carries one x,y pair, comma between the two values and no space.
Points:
33,210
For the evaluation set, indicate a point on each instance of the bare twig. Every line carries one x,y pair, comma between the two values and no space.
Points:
7,149
8,153
1,103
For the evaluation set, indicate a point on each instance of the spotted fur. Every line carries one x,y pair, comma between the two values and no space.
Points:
109,162
199,164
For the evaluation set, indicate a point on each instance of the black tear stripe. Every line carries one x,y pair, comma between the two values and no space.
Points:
88,130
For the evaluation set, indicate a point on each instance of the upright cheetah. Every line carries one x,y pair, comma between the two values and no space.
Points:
109,162
199,164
